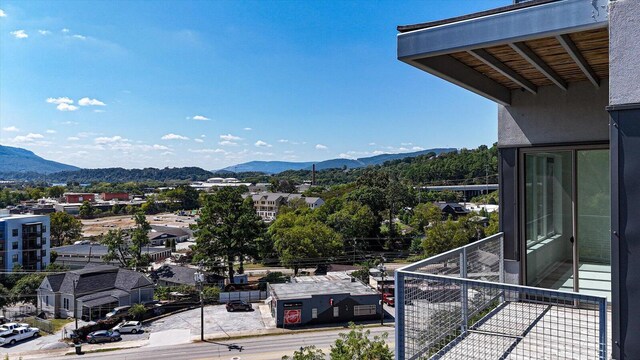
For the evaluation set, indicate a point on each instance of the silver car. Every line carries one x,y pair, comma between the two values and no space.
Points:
132,327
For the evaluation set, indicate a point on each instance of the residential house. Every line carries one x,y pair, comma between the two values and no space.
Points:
158,235
565,75
451,210
24,241
93,291
268,204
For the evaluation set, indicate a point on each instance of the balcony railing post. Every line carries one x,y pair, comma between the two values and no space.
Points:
400,313
501,274
463,291
603,329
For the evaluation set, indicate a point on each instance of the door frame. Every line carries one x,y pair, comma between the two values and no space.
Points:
521,207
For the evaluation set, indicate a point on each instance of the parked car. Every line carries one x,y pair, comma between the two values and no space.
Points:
119,311
238,305
9,327
19,334
103,336
132,327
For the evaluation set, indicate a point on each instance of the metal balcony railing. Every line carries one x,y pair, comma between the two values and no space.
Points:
456,306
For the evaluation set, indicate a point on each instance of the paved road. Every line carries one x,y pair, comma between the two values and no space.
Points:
257,348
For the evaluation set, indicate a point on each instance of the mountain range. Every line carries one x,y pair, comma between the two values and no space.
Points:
274,167
13,159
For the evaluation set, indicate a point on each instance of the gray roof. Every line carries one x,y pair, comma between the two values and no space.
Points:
174,231
102,297
95,250
302,290
97,278
181,274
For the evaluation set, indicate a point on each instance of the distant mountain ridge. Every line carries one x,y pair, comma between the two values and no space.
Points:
13,159
274,167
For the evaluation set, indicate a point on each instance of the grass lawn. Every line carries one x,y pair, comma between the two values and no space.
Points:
59,323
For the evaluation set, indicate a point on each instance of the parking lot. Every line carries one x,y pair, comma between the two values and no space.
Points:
217,321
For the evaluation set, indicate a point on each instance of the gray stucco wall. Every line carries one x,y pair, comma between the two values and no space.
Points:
624,51
555,116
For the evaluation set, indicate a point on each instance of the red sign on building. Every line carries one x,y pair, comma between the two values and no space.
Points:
292,317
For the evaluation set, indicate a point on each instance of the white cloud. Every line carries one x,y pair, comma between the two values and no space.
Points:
59,100
167,153
417,148
159,147
198,140
372,144
321,147
174,137
65,30
107,140
227,143
203,135
49,131
80,37
2,13
85,101
98,111
66,107
260,153
44,32
261,143
19,34
346,156
11,129
69,123
200,117
247,129
73,138
284,141
230,137
406,144
28,138
208,151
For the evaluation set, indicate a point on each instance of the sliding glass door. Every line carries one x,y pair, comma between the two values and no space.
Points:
566,220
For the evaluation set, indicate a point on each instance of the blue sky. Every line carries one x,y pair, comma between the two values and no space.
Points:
215,83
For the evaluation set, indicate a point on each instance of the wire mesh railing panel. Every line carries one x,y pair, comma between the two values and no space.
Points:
453,317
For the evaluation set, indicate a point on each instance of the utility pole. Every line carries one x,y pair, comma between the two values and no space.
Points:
199,278
75,302
382,271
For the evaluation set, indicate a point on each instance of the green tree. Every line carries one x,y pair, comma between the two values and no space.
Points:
494,224
282,185
446,235
224,229
86,210
306,353
425,214
117,249
5,296
182,197
353,220
65,229
55,191
139,239
137,311
299,237
26,289
358,344
211,294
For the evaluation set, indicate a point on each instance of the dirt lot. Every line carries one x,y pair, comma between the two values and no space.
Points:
94,227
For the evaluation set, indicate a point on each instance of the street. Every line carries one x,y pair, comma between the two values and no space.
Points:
257,348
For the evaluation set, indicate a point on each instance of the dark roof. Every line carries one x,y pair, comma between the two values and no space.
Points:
457,208
521,5
97,278
175,231
102,297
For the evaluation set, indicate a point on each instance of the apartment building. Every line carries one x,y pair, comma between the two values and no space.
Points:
268,204
559,280
24,241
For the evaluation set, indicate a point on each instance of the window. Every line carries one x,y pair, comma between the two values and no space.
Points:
336,311
14,258
43,252
65,303
14,232
44,229
314,313
362,310
46,300
14,245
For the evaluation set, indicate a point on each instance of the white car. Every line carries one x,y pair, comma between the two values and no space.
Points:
18,334
132,327
9,327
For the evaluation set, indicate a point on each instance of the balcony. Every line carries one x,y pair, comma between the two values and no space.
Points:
456,306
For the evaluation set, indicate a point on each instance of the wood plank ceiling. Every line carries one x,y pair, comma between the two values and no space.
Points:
592,45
